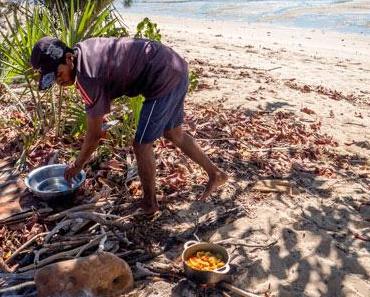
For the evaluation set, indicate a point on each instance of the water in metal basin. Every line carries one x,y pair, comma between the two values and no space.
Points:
54,184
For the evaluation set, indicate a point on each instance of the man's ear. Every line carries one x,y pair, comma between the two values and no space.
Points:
69,59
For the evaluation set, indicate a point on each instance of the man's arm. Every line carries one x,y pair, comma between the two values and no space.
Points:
89,145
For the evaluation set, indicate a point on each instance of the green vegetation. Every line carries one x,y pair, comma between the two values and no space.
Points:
147,29
193,81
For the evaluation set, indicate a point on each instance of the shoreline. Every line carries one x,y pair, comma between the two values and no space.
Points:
346,17
170,24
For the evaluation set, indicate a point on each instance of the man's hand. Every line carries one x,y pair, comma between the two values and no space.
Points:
71,171
90,143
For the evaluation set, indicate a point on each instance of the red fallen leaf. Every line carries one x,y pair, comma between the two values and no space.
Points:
173,176
112,164
361,237
106,186
364,175
88,182
325,140
307,110
350,143
162,143
327,172
182,169
202,86
176,184
135,188
35,229
316,126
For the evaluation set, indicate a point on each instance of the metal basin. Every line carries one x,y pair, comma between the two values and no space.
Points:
205,277
48,182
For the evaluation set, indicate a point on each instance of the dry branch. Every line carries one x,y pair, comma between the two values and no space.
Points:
62,255
100,219
27,244
24,215
17,287
237,291
62,214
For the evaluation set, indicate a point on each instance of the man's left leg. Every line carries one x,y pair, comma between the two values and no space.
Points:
189,147
146,168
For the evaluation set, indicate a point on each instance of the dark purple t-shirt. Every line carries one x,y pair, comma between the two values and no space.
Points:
108,68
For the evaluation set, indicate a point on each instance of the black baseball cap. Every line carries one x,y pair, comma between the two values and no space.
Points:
46,56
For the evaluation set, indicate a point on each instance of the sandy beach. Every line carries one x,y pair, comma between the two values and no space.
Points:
320,76
286,68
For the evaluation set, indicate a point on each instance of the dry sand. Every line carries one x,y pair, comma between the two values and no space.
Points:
283,60
265,67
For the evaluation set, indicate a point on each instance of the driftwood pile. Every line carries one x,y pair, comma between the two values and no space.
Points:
250,146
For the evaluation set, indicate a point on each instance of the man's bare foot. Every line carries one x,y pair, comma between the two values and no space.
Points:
216,180
145,207
149,209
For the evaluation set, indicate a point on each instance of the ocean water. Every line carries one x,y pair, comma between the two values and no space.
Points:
342,16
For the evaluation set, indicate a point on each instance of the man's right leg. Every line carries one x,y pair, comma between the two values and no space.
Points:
146,168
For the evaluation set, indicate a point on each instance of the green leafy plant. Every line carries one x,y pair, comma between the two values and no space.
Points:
147,29
193,81
77,123
135,104
78,24
26,26
54,4
16,47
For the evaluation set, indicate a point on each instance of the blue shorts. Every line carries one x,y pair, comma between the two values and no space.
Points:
162,113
